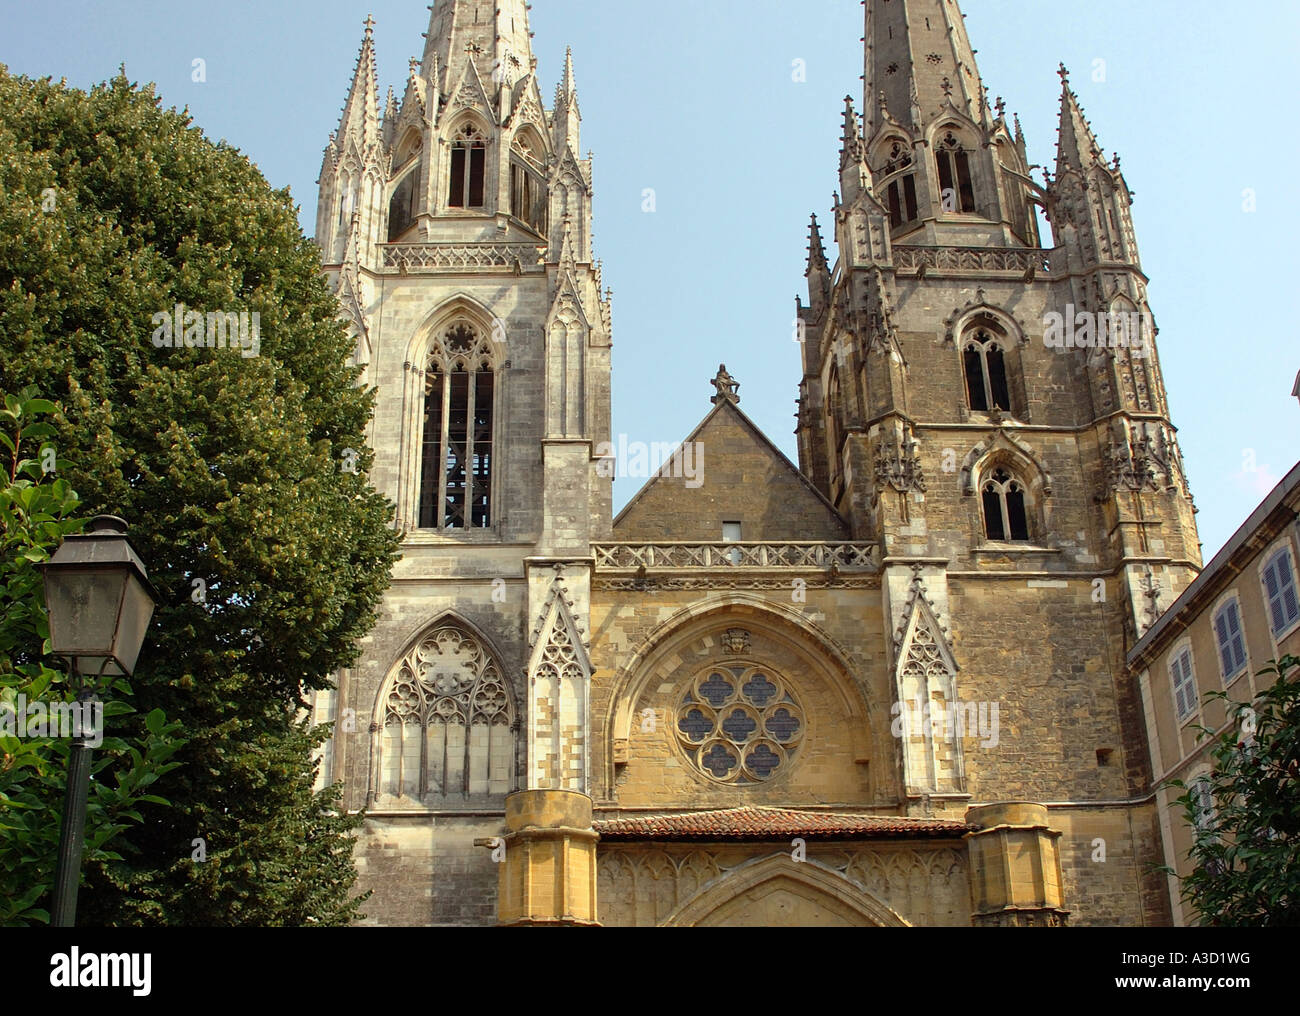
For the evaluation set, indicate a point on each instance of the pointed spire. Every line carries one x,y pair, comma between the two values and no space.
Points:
911,47
567,131
816,252
500,44
391,110
360,119
852,150
1077,147
568,84
567,257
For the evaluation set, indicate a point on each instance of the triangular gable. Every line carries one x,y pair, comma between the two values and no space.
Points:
746,477
469,93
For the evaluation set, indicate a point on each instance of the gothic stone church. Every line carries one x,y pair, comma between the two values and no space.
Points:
884,686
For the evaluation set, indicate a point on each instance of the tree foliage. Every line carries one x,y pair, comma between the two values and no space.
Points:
270,556
1245,814
37,512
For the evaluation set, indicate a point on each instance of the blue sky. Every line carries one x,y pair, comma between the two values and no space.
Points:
696,100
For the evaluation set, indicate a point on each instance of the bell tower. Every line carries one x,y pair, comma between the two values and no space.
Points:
456,228
989,408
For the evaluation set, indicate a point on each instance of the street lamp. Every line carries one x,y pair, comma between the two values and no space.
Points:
100,602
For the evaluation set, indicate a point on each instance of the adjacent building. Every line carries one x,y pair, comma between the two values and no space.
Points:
1242,612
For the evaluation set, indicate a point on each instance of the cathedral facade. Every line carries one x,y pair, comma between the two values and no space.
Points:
885,685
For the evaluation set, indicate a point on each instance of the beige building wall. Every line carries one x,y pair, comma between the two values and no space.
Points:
1179,750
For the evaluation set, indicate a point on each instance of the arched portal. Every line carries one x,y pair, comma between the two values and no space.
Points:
780,892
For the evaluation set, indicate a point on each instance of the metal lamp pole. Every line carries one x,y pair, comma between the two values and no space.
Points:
100,602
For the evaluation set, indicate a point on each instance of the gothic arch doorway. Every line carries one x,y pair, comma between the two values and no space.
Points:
781,892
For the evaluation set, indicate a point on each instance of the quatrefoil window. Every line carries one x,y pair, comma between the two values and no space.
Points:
739,725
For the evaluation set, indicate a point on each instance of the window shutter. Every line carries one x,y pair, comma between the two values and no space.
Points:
1225,642
1280,586
1237,635
1290,602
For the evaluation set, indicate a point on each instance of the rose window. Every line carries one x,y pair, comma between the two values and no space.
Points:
739,725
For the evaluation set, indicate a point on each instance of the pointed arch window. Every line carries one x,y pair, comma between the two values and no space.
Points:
468,169
528,198
957,193
404,207
900,192
447,727
1006,512
459,418
986,370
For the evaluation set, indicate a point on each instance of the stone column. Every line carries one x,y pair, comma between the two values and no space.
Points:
1015,867
549,874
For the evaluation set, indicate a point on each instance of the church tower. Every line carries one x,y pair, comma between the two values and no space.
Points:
988,408
456,228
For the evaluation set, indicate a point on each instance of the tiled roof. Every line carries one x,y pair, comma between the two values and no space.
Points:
774,823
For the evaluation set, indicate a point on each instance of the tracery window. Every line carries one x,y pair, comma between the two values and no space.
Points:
468,168
1006,516
900,192
528,199
448,723
955,185
739,725
458,448
986,371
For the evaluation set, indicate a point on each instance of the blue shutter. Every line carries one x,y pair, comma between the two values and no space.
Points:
1238,636
1273,586
1225,643
1184,691
1290,603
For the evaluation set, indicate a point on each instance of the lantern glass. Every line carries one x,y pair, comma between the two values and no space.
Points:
99,601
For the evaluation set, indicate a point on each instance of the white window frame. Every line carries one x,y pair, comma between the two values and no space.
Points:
1280,547
1231,601
1184,651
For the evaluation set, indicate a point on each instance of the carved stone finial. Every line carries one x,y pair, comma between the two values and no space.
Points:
370,26
947,88
727,387
1065,75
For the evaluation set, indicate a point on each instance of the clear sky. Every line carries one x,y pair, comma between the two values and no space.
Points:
696,99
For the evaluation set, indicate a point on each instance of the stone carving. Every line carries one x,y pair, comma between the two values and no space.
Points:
727,387
460,257
898,464
736,641
730,555
967,260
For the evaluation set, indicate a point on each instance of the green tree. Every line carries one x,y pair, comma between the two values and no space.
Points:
37,512
1245,814
270,554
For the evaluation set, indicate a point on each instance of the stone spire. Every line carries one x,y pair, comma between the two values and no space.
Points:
360,119
911,47
816,252
494,33
568,117
1077,147
852,150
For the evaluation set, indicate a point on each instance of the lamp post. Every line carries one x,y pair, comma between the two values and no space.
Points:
100,603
